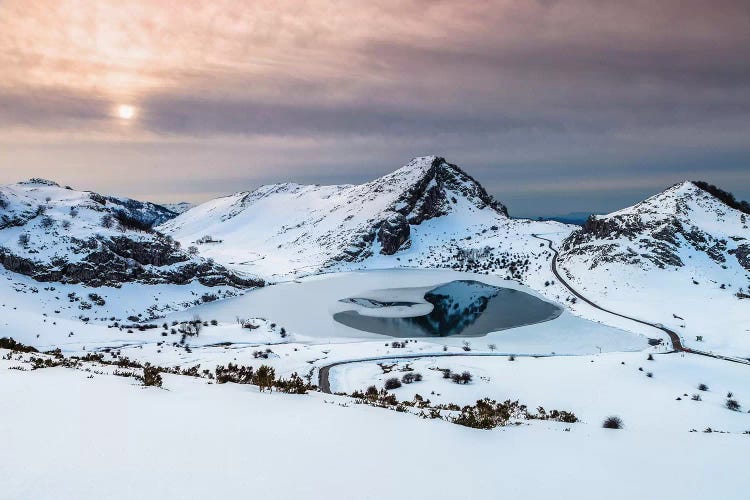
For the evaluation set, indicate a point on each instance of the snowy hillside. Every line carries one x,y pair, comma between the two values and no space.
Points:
681,257
51,233
540,374
428,213
177,208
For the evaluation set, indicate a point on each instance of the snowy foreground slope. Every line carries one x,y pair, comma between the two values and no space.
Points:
71,434
429,213
680,258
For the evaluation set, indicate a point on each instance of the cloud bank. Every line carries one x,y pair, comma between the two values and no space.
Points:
555,105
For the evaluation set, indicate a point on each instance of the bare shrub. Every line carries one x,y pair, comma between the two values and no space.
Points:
392,383
613,422
463,378
151,376
732,404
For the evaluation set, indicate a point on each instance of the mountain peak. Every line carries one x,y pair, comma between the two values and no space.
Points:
39,181
691,214
682,199
327,225
423,165
431,187
724,196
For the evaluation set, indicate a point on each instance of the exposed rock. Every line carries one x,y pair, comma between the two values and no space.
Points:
742,253
661,242
663,230
105,267
433,195
393,233
81,237
148,214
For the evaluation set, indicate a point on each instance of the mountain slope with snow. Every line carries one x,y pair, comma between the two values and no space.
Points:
681,257
429,213
51,233
177,208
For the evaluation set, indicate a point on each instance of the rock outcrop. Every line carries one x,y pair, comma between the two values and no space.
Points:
393,234
664,230
56,234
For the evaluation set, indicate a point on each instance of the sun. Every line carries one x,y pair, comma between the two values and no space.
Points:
126,111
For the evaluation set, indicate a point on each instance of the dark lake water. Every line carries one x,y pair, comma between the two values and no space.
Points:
461,308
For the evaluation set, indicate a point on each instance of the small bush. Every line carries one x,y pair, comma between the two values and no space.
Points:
151,376
11,344
47,222
702,387
463,378
696,397
234,373
97,299
392,383
265,377
293,385
733,405
612,422
411,377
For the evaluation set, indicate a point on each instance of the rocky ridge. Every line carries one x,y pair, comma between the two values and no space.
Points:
51,233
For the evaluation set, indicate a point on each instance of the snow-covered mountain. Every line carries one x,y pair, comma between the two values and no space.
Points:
681,256
429,213
51,233
667,229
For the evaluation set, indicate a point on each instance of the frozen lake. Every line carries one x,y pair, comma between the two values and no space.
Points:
306,309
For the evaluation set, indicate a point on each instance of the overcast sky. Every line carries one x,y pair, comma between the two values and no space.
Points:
554,105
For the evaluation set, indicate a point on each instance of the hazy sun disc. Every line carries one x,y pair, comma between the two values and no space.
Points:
126,111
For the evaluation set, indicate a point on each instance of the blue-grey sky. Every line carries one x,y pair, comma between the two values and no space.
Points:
554,105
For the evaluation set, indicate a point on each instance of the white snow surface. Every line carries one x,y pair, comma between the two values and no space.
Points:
74,435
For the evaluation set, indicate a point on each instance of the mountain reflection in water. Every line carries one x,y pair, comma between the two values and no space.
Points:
461,308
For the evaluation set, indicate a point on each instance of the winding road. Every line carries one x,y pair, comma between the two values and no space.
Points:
673,336
324,382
